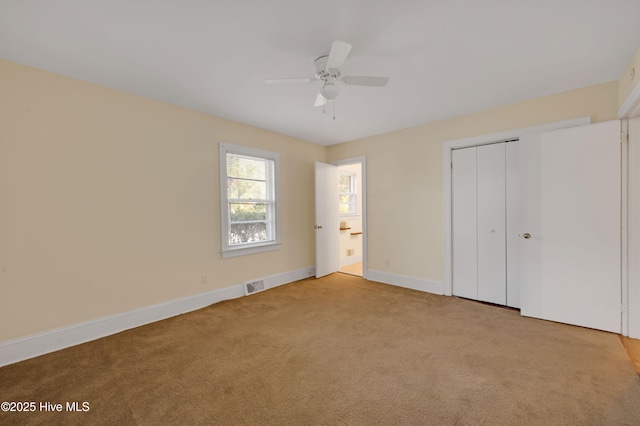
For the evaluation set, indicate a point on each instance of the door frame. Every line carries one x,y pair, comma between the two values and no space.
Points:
630,109
362,160
631,270
449,146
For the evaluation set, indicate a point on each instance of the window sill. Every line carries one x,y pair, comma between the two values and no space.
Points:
245,250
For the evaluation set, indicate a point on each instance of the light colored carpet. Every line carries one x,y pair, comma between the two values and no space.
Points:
337,351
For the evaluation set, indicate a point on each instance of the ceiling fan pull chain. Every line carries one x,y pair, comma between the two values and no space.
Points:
334,109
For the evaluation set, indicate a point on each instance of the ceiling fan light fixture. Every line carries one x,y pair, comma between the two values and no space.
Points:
329,91
328,72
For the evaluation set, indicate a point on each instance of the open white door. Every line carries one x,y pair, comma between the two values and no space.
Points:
570,247
327,225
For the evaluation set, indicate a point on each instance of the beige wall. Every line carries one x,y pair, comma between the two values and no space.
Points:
630,78
110,202
404,174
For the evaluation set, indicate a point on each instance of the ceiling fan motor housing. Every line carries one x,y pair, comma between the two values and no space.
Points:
322,72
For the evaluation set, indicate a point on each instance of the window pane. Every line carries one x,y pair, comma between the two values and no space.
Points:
247,168
347,203
344,204
344,183
253,232
246,189
245,212
249,198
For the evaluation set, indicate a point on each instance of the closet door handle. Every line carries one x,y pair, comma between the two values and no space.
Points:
526,235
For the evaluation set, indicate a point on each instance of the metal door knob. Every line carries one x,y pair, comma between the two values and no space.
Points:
526,235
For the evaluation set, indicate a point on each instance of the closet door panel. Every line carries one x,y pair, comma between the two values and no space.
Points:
492,285
463,210
513,224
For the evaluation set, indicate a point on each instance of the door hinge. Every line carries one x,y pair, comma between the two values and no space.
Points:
624,132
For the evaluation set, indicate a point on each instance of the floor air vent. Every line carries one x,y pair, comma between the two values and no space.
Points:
251,287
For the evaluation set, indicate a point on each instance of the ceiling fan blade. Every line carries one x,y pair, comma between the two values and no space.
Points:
339,52
365,81
320,100
288,80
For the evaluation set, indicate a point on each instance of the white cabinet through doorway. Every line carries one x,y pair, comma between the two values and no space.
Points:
484,221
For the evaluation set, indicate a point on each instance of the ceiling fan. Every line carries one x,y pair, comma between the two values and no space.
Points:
328,72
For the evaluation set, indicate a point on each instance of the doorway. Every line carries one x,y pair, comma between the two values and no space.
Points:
329,220
350,210
485,212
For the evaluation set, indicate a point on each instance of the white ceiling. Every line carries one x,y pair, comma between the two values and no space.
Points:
444,58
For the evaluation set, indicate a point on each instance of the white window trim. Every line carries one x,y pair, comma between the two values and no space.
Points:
245,249
354,187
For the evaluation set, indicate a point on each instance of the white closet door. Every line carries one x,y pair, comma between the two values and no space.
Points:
570,264
464,241
513,224
492,280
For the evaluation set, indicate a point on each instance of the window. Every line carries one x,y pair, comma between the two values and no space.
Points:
348,193
249,200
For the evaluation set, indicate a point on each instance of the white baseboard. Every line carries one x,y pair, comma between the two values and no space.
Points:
288,277
406,282
23,348
350,260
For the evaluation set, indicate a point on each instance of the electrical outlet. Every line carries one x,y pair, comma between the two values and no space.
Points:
386,262
203,279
